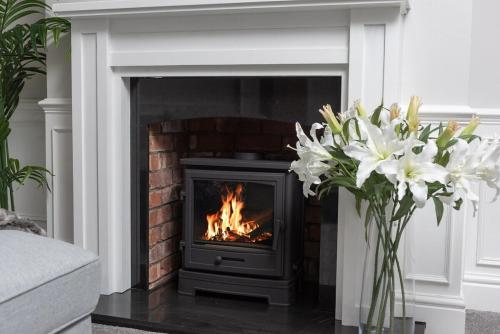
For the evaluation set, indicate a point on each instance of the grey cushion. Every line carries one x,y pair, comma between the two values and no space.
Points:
45,285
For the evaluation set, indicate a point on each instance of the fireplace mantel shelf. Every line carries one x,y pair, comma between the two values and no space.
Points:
147,7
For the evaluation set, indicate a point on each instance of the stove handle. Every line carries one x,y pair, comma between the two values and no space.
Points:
280,230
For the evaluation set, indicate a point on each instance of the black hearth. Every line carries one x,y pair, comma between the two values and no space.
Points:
242,226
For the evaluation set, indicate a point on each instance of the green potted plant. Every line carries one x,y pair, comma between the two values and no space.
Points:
22,55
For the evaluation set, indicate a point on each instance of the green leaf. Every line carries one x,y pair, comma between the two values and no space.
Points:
358,132
343,181
358,205
368,217
438,206
345,128
451,143
469,138
443,161
424,136
444,194
458,204
375,119
440,131
404,207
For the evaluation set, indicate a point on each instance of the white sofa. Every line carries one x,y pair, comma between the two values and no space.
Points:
46,285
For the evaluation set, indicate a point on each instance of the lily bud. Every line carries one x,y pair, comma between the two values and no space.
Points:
413,107
330,118
447,134
413,125
359,108
395,111
411,115
469,129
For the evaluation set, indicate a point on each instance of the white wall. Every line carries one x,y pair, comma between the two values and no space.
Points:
436,51
450,53
484,84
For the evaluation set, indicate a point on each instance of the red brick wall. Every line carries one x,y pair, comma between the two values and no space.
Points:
165,148
212,137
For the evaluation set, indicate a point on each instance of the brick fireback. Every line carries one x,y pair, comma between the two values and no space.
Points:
212,137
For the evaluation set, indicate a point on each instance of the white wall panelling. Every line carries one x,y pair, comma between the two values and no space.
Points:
59,160
482,252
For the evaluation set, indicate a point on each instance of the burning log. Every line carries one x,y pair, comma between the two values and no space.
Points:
229,224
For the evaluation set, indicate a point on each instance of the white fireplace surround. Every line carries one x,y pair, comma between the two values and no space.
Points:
359,40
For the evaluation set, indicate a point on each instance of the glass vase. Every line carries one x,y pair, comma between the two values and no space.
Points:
387,304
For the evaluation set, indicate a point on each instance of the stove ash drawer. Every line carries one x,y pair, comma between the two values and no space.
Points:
243,262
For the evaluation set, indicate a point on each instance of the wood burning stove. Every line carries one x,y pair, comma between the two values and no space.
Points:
242,229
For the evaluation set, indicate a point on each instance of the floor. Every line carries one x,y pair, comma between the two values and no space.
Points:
477,322
105,329
164,310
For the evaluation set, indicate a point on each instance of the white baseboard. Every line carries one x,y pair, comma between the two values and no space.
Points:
441,320
442,314
482,292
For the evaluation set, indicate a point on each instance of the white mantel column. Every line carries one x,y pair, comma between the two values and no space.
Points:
100,154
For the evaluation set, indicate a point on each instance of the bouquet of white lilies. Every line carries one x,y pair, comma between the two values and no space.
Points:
389,152
394,163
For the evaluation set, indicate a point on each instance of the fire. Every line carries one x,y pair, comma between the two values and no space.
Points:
229,223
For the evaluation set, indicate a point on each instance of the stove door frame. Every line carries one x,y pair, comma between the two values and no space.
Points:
221,258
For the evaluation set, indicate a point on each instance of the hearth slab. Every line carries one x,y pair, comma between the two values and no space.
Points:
164,310
277,292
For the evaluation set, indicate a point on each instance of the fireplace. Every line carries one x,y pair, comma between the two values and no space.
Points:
242,224
186,133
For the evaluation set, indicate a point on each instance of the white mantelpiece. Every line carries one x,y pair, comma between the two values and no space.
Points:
83,8
113,40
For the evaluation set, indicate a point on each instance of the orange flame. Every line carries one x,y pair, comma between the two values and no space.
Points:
228,224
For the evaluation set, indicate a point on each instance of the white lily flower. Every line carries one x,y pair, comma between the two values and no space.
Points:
385,117
314,160
470,164
461,173
488,168
347,114
414,170
328,137
382,146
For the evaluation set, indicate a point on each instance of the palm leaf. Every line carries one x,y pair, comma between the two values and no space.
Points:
14,10
22,55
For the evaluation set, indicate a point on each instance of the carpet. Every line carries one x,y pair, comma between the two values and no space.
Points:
477,322
104,329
